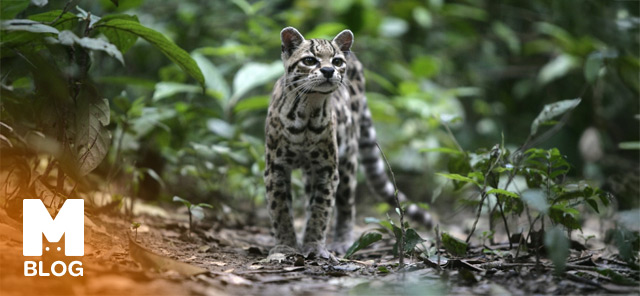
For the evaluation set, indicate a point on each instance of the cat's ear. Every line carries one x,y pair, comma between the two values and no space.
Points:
291,39
344,40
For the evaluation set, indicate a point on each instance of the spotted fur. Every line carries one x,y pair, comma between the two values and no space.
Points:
318,120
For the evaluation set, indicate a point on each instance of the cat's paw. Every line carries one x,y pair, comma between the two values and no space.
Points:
340,247
283,249
317,250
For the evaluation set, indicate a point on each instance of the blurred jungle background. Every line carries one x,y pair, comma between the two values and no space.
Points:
484,69
149,100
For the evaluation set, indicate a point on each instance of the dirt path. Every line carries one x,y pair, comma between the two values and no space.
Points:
221,260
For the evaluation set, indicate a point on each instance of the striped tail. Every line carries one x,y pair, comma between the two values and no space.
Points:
375,170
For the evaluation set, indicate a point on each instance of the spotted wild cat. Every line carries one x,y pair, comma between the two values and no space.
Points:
318,120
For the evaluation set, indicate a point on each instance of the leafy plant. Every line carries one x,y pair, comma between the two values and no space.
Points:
53,105
135,226
195,210
547,191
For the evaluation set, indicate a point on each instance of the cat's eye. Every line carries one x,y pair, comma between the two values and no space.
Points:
337,62
309,61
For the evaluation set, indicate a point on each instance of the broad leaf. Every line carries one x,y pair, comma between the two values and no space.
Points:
557,68
503,192
457,177
28,26
168,48
39,3
252,104
10,8
551,111
411,239
68,38
66,21
120,38
453,245
213,78
221,128
92,139
167,89
364,241
444,150
182,200
252,75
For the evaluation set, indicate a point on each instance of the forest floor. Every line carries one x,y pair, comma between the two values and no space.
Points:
218,259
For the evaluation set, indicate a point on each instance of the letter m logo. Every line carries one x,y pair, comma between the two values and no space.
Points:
36,221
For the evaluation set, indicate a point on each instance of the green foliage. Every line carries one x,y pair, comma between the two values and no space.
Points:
364,241
123,28
453,245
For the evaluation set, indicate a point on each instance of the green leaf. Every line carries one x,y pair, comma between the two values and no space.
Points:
412,239
213,78
503,192
592,66
556,68
221,128
557,245
182,200
122,39
205,205
453,245
27,26
594,204
364,241
92,139
67,20
152,173
39,3
326,31
445,150
508,36
252,75
252,104
69,38
167,89
425,66
567,216
550,111
457,177
536,199
168,48
10,8
629,145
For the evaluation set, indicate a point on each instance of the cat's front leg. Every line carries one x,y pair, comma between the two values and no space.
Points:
323,182
277,179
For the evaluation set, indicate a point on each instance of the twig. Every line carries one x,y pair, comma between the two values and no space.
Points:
483,193
446,126
438,244
400,211
64,10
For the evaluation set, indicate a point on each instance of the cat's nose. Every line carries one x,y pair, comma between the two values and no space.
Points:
327,71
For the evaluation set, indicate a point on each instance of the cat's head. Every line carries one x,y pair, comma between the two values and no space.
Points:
315,65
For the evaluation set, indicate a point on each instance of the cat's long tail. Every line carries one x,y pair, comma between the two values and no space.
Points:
375,170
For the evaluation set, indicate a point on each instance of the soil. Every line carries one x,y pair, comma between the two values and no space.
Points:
225,256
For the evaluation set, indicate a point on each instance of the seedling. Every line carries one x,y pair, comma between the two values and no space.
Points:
136,225
195,210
